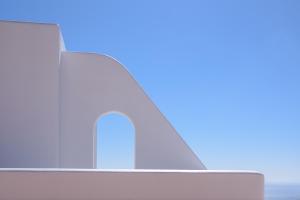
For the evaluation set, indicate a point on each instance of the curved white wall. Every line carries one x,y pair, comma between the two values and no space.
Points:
96,84
51,99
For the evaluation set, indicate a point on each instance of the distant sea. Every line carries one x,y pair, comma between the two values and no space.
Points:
282,192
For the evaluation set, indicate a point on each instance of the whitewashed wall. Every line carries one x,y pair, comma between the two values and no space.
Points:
51,100
93,85
29,82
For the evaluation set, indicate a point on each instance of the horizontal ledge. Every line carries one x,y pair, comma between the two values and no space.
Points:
129,171
125,170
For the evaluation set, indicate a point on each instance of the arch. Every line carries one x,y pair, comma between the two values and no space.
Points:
114,141
93,84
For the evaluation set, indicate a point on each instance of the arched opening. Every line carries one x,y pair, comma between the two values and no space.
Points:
115,145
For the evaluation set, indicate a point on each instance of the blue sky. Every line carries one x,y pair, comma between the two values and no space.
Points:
225,73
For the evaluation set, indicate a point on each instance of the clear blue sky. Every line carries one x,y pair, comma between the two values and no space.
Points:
225,73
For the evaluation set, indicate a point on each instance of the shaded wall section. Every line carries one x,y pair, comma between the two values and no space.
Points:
29,82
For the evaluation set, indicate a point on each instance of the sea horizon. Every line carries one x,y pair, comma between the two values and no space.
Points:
282,191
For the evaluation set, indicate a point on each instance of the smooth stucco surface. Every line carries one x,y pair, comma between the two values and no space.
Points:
134,185
29,95
93,85
51,100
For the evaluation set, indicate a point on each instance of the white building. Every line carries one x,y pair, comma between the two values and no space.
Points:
50,101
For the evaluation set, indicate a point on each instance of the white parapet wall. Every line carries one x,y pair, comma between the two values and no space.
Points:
134,185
